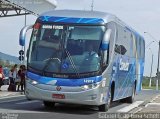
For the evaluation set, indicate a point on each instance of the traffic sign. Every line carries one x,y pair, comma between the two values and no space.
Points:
21,52
21,58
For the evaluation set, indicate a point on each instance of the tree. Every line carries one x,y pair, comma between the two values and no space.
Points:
7,64
2,62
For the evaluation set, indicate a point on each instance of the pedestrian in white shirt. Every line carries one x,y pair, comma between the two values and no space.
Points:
13,74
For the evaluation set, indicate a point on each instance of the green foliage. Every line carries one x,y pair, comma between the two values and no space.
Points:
5,63
145,82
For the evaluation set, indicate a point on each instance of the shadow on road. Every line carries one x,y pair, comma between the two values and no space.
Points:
59,108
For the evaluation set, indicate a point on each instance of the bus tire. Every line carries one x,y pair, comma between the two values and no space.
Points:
106,106
48,104
131,98
103,108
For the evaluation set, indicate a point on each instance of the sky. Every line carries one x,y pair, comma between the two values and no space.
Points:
141,15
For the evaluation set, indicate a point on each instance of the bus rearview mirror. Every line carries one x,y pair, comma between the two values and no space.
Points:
105,41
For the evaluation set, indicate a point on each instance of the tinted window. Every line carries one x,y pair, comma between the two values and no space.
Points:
123,42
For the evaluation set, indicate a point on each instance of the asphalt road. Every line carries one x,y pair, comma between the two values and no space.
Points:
20,108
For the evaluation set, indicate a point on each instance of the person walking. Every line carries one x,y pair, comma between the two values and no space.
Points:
1,76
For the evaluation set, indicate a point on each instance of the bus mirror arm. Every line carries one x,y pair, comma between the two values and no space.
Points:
22,35
27,53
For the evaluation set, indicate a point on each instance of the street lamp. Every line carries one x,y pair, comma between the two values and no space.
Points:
150,80
158,58
92,5
151,36
25,23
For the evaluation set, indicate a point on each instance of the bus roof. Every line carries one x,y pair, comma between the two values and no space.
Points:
77,16
83,17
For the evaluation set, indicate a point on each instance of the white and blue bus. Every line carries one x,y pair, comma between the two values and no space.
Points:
83,57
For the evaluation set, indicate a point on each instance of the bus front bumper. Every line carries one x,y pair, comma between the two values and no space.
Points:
96,96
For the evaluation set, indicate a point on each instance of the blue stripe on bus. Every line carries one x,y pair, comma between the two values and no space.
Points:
79,20
71,20
46,18
62,19
105,46
64,82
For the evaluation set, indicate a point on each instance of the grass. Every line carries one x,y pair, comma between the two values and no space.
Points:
152,87
145,84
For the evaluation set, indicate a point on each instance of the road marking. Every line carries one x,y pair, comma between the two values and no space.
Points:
152,104
155,98
28,102
9,101
6,97
130,107
12,111
138,110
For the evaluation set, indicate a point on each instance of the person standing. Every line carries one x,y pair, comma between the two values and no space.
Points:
22,75
1,76
15,72
18,81
12,77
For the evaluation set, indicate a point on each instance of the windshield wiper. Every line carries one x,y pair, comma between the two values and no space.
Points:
47,64
72,63
49,61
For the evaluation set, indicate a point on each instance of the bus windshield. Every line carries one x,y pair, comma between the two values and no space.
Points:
65,49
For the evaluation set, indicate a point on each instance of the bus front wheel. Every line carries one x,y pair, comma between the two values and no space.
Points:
106,106
103,107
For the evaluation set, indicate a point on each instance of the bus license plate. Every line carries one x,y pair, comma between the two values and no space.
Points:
58,96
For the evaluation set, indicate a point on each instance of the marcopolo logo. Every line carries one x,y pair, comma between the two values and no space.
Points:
58,88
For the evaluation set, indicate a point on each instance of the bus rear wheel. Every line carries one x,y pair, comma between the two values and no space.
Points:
48,104
131,98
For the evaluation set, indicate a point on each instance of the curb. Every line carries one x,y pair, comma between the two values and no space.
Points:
10,94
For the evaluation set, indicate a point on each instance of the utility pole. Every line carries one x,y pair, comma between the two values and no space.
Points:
25,23
158,68
92,5
150,81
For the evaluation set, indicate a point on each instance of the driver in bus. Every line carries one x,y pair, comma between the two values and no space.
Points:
90,52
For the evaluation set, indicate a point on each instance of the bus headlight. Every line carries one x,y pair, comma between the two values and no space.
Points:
90,86
33,82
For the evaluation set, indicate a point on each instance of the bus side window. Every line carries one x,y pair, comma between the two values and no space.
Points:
112,26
